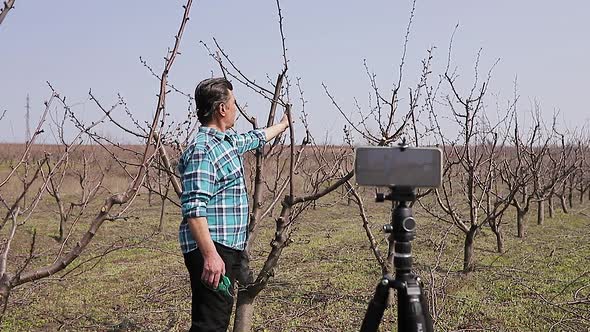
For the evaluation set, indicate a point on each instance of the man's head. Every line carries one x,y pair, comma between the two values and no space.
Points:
215,102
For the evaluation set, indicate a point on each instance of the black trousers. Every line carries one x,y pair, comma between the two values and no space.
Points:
211,310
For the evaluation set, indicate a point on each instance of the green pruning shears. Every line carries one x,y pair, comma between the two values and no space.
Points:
224,286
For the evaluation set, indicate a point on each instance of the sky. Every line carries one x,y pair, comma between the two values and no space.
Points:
83,45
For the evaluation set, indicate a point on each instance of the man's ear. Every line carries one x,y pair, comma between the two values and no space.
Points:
222,108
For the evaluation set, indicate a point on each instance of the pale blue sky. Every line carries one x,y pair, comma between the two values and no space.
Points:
82,45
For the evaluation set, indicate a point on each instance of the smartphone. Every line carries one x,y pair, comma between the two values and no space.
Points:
418,167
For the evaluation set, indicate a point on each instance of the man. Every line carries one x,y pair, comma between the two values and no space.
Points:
214,201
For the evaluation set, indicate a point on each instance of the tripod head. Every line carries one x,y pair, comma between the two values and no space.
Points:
405,230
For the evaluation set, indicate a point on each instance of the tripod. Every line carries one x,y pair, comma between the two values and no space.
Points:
412,309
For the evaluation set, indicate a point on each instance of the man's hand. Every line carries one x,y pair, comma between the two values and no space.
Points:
285,121
213,269
213,265
273,131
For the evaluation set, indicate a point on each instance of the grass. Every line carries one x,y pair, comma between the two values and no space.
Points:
324,280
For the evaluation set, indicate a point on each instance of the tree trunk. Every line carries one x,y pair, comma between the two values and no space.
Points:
244,312
540,212
499,238
468,250
4,294
520,223
570,194
499,242
551,207
583,192
564,205
162,210
62,227
163,206
244,306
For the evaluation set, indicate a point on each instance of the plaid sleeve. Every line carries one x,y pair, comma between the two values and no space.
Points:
250,140
198,183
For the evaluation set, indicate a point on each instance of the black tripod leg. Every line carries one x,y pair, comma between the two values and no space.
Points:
413,313
376,307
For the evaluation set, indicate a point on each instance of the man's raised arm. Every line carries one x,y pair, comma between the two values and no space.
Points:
273,131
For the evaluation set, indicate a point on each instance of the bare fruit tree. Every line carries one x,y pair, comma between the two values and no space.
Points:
47,177
384,122
583,174
470,162
286,177
521,164
497,196
563,164
549,162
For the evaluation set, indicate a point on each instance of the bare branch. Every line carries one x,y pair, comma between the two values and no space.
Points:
8,5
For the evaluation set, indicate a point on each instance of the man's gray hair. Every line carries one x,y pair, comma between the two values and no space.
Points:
209,94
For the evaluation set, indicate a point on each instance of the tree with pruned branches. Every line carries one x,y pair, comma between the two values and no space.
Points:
48,175
286,178
469,197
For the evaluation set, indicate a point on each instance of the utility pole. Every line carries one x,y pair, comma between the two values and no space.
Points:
28,141
27,120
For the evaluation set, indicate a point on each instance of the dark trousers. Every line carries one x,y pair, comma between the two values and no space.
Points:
211,310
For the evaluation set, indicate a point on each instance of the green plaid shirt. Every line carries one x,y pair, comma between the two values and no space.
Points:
213,186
